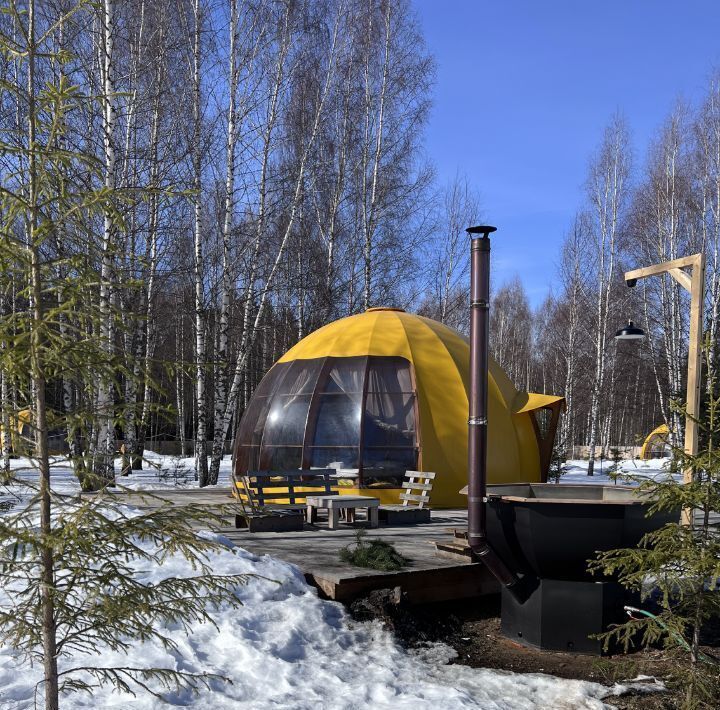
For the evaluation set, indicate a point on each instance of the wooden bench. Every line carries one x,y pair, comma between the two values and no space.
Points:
416,497
276,500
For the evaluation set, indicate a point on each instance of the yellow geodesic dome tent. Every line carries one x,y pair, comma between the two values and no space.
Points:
379,393
20,432
656,444
22,435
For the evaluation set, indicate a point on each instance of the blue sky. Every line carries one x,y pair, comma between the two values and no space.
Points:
525,88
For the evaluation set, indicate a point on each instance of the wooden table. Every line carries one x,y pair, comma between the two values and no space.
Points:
334,504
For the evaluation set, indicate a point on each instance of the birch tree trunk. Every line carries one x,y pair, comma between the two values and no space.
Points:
708,137
180,379
572,276
460,208
608,195
103,457
222,354
329,225
666,240
5,403
151,259
73,435
201,464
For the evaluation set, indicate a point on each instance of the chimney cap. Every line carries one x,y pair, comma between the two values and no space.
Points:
481,230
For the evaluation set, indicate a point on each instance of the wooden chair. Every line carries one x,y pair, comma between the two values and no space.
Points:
416,497
276,500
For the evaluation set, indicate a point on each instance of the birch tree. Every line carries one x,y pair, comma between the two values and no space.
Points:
511,332
608,195
373,137
104,453
663,222
199,270
573,280
707,156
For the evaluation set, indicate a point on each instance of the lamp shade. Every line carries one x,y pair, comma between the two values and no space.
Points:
630,332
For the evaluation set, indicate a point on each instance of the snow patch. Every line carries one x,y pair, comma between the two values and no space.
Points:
286,648
631,471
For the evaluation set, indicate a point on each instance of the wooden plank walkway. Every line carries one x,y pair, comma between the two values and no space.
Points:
430,576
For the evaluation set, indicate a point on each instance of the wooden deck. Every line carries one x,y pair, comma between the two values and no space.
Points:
431,576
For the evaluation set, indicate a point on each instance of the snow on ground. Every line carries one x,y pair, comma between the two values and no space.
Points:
286,648
575,471
178,472
158,472
171,471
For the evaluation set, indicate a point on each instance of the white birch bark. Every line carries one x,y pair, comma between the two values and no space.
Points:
664,303
134,328
708,137
573,296
103,459
607,194
201,468
5,403
222,353
329,233
151,258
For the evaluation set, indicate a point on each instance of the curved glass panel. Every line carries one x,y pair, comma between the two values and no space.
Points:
338,420
272,379
389,419
354,414
302,377
343,458
345,375
247,458
280,458
283,421
387,466
253,421
389,374
286,420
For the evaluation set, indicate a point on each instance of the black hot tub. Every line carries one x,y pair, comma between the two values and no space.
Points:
546,533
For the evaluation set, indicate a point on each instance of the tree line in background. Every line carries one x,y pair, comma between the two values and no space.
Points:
259,171
635,213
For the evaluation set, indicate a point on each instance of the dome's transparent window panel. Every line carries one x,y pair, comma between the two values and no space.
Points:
357,415
389,422
272,431
333,437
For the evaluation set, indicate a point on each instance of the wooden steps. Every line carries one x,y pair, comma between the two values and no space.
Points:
462,581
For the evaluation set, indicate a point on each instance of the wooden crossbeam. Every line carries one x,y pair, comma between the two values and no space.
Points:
663,268
682,278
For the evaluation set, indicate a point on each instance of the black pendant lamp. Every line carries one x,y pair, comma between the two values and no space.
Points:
630,332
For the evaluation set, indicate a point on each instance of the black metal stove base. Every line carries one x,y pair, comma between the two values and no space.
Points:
558,615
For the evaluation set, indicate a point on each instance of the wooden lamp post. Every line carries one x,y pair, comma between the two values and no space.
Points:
694,284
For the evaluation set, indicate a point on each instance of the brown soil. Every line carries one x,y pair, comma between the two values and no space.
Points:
473,630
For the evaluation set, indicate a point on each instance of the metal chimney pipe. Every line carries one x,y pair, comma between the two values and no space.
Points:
478,414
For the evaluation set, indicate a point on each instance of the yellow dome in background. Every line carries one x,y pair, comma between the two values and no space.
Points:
439,358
